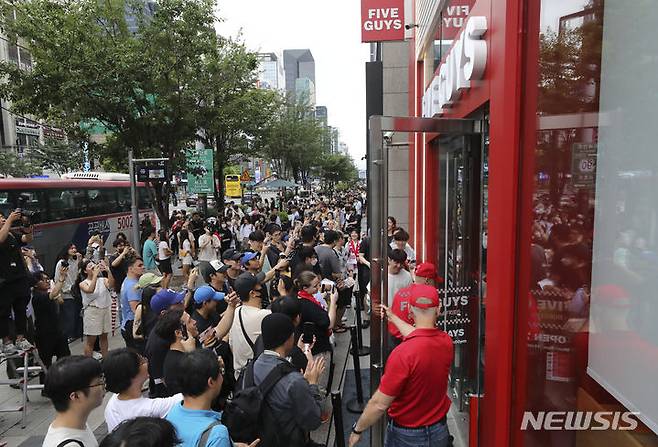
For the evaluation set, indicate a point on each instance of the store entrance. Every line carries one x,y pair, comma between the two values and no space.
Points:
460,143
462,236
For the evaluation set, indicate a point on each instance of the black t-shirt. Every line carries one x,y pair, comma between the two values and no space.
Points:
313,313
225,237
155,351
12,264
119,272
45,312
172,371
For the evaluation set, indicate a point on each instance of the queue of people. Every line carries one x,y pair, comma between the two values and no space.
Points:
264,293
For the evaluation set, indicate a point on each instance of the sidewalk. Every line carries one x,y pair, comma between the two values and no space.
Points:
40,411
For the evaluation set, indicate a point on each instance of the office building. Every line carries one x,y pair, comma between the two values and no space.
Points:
298,64
271,74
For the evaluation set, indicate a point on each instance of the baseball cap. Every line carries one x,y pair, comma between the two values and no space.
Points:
208,268
423,296
248,256
231,254
207,293
148,279
165,298
246,282
428,270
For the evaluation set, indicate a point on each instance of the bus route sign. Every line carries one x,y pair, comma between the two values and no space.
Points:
200,172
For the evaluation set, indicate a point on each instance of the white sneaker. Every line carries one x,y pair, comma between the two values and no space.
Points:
24,345
97,355
9,348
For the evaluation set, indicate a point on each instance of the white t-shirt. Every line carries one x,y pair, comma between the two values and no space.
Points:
397,282
242,352
118,410
162,246
209,252
56,436
101,297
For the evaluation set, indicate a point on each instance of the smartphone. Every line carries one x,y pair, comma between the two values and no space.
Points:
65,264
183,330
308,331
207,334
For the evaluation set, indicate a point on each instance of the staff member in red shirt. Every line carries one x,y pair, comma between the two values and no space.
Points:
425,273
413,389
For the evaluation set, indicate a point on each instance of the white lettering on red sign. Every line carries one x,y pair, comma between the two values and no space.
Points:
466,62
384,19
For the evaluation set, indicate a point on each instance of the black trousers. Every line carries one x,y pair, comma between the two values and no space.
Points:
49,346
14,295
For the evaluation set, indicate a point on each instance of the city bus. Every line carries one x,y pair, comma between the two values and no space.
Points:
65,211
232,186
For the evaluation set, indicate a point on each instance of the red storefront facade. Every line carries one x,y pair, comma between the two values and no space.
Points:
551,318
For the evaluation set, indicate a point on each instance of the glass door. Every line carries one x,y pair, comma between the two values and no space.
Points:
462,262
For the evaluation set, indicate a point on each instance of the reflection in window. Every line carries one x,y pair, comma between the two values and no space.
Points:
102,201
67,204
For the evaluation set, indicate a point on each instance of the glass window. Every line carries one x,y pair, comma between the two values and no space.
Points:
102,201
144,199
32,201
588,308
67,204
124,200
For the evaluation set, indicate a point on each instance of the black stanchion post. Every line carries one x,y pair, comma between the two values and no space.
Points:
356,405
338,418
362,350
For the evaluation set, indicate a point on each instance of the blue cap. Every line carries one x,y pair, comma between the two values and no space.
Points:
207,293
165,298
248,256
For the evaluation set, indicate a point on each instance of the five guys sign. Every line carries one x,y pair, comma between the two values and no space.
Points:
382,20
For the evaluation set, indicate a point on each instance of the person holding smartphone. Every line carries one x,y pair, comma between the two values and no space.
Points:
96,304
14,281
323,318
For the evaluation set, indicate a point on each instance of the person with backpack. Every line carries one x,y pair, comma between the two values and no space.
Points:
75,385
295,400
195,423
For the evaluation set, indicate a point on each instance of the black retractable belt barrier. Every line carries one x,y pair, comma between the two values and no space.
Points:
362,350
337,404
356,405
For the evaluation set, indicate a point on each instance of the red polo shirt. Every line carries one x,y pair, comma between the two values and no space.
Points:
416,375
400,307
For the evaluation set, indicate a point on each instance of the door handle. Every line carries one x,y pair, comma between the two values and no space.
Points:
479,396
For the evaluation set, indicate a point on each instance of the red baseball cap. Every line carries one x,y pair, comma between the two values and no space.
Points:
423,296
428,270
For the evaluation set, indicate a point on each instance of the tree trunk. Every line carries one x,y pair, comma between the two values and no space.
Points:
160,202
219,176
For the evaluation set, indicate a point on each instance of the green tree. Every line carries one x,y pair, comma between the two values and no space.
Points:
335,168
11,165
150,89
233,113
294,140
59,156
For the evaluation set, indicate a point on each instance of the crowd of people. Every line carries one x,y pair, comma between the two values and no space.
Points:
265,288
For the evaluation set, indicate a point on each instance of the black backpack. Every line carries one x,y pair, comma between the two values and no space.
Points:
244,415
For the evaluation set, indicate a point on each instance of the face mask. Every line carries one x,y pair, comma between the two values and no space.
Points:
223,225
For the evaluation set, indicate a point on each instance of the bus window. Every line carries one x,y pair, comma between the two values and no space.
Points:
28,200
67,204
124,199
144,199
102,201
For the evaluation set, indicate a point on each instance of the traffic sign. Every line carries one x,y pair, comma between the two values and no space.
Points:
245,177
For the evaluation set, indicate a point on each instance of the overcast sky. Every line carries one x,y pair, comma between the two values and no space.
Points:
331,30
